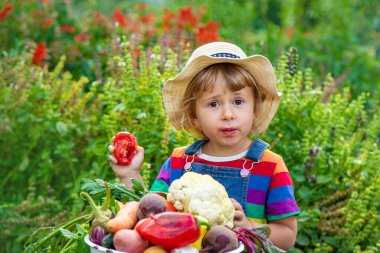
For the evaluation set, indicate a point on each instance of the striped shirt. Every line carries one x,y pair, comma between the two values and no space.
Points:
270,194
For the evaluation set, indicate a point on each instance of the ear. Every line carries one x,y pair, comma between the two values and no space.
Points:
195,122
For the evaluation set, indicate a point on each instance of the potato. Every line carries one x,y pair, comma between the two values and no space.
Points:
155,249
129,240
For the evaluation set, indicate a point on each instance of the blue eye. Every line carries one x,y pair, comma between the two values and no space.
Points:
213,104
238,101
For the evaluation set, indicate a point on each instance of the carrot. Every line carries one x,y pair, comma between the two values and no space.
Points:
126,218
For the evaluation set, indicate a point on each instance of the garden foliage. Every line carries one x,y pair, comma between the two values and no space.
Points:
338,37
58,114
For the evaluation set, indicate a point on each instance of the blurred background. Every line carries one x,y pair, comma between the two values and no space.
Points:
74,73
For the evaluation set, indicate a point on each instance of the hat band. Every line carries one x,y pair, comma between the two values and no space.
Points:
225,55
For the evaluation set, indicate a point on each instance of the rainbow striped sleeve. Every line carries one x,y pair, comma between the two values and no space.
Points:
270,190
164,177
280,199
162,181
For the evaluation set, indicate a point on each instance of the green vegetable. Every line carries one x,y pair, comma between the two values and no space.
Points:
107,241
97,188
102,213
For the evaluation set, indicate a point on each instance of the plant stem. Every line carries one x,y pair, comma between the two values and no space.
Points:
95,209
57,231
106,203
130,194
67,246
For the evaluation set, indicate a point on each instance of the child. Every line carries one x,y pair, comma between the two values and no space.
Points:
222,96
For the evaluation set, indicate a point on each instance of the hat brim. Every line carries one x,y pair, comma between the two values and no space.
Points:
257,65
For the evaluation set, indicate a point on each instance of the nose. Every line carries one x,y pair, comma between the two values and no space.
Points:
227,113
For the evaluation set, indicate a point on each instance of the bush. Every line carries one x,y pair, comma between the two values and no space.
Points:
336,37
330,145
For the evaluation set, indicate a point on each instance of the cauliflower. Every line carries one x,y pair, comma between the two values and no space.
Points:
202,195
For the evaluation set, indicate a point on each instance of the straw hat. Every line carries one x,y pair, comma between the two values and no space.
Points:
218,52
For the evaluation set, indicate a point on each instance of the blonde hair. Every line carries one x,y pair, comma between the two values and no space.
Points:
236,78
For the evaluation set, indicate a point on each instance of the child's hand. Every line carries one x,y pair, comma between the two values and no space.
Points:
130,171
240,219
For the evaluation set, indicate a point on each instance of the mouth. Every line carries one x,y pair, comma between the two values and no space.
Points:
228,131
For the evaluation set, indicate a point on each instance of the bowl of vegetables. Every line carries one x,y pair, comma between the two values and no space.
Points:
95,248
135,221
151,225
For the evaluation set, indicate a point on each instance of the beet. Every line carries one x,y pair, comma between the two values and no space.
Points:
151,204
219,239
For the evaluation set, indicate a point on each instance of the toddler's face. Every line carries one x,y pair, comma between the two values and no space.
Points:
225,117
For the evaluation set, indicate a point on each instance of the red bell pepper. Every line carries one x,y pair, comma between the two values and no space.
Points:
169,229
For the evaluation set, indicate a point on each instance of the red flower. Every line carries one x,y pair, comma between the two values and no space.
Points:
148,18
39,54
142,6
67,28
168,19
120,18
47,23
208,33
81,37
46,3
136,52
288,32
186,17
5,11
99,19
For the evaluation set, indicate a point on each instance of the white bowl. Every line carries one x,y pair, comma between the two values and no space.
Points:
98,249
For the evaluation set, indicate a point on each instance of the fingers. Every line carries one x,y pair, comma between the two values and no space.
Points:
112,159
139,149
236,205
239,215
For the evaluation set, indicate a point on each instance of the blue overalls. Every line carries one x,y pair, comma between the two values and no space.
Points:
235,180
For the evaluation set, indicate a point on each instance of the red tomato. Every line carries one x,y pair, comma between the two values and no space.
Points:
124,145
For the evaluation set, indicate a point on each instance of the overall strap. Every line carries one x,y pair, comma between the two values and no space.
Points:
193,148
256,150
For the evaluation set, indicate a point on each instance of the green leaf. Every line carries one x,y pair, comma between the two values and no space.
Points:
82,246
299,178
137,186
66,233
323,179
304,192
24,163
61,128
330,240
303,240
80,229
